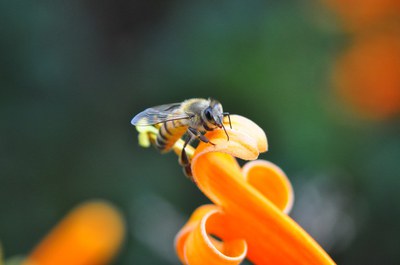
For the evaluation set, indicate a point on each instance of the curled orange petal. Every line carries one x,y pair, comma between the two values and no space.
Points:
270,181
194,220
90,234
250,211
197,242
246,139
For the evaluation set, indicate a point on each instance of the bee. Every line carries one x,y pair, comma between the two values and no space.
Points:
193,117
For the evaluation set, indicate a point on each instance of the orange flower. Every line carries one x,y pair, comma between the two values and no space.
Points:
368,75
249,218
90,235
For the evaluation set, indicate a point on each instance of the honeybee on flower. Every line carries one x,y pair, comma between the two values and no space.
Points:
192,117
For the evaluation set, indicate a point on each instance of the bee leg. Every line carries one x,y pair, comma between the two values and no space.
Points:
187,170
184,160
199,135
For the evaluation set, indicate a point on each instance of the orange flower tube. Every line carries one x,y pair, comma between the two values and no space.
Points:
249,218
90,235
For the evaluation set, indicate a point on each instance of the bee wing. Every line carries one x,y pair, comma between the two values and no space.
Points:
159,114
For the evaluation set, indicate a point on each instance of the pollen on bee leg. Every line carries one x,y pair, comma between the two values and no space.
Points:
144,140
147,134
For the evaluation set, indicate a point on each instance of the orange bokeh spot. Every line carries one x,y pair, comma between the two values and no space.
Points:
367,75
90,235
364,14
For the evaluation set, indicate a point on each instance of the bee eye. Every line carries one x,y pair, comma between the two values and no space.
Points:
208,115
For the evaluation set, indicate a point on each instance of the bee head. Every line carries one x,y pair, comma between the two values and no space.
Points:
215,115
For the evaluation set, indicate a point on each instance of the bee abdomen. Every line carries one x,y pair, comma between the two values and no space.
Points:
168,134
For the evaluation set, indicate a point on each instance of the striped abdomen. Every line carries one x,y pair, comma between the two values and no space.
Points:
168,134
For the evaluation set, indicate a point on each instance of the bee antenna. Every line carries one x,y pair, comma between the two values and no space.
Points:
223,127
229,117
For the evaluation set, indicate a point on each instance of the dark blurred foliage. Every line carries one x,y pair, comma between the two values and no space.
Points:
73,74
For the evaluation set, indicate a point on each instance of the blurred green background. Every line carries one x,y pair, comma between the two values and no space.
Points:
74,73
